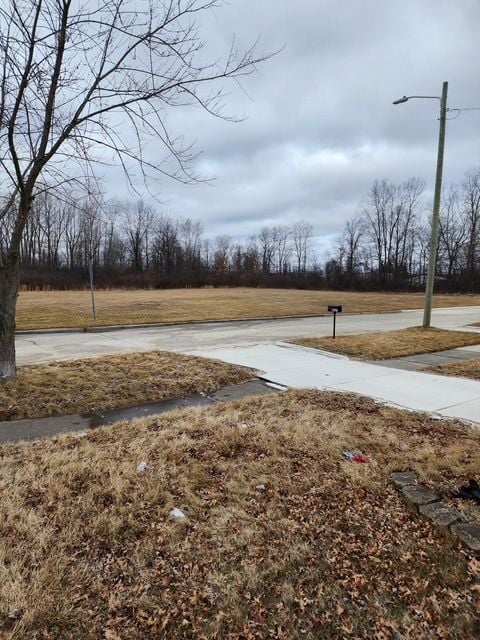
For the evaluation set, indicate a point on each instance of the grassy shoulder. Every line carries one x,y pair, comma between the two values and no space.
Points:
96,384
463,369
282,537
53,309
380,345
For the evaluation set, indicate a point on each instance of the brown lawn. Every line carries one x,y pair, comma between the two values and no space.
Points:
282,537
47,309
393,344
463,369
95,384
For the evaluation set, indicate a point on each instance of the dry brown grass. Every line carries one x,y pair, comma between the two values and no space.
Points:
463,369
96,384
380,345
47,309
327,550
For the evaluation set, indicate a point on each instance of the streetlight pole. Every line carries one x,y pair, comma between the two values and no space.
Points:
432,260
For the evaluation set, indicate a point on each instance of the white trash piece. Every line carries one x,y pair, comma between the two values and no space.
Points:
142,467
177,514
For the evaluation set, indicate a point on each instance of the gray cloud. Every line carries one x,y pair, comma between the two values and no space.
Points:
320,125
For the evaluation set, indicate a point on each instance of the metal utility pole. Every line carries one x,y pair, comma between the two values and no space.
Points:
432,261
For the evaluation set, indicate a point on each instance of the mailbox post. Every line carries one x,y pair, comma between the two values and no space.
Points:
335,308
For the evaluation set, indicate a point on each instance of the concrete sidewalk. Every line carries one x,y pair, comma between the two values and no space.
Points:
301,367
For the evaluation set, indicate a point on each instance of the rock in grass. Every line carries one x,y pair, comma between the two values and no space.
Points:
469,533
417,494
439,513
403,478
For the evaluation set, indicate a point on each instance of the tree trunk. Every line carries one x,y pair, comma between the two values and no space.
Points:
9,281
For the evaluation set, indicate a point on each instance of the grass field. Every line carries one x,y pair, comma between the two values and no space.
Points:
48,309
282,538
393,344
96,384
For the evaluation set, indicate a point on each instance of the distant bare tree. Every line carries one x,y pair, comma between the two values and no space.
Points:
139,220
70,73
281,239
453,230
302,234
353,234
390,216
267,248
222,253
471,208
190,240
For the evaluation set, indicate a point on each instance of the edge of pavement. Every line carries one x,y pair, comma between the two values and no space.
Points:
181,323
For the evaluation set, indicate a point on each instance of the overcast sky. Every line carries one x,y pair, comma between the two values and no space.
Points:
320,125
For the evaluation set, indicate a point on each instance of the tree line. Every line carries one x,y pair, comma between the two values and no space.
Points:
386,245
131,244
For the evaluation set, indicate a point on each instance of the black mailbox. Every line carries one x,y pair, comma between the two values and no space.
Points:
335,308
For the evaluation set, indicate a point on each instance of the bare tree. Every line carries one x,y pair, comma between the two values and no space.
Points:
281,240
72,74
222,253
390,216
190,240
471,205
453,230
353,234
72,235
267,248
139,221
302,234
165,245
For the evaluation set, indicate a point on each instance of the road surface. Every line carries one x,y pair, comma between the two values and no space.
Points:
188,338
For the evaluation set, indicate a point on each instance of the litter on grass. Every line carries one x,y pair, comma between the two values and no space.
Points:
177,514
357,458
142,467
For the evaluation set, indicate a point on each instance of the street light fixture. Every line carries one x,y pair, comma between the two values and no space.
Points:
432,260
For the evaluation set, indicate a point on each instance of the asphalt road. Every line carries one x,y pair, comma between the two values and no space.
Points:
199,337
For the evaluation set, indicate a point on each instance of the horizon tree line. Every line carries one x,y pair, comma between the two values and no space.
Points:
130,244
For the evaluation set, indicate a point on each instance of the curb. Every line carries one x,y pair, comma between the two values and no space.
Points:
29,429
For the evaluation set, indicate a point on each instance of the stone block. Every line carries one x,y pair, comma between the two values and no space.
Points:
469,533
439,513
403,478
419,495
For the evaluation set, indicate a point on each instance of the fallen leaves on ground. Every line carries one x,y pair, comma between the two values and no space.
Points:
327,549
